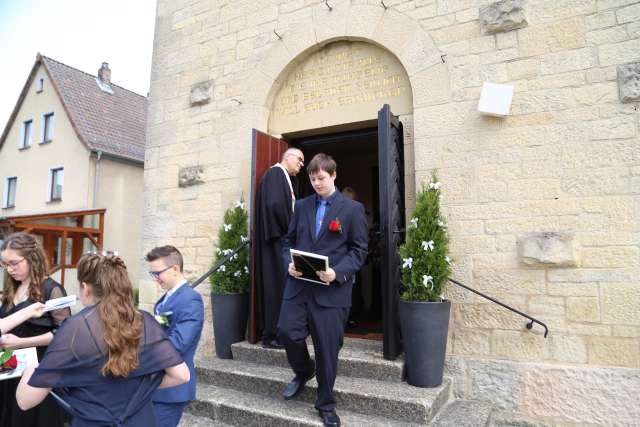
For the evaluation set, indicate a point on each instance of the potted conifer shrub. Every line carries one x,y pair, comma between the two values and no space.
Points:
424,313
230,283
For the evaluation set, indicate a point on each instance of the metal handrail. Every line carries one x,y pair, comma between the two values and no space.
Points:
219,264
532,319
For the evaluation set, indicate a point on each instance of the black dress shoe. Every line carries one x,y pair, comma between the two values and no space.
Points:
296,384
272,344
329,418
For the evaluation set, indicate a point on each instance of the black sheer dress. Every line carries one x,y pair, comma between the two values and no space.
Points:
72,367
48,413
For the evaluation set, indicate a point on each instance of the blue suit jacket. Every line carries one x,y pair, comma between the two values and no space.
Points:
347,250
185,327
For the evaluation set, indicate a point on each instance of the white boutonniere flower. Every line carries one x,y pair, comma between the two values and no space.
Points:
163,318
428,246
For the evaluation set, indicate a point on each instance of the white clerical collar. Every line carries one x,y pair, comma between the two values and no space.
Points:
286,174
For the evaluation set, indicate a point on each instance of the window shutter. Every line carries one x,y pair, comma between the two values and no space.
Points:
29,133
42,128
20,142
50,181
5,197
52,121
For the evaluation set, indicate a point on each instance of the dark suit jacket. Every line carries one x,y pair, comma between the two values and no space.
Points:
346,250
185,327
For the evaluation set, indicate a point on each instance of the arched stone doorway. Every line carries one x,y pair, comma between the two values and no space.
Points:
331,100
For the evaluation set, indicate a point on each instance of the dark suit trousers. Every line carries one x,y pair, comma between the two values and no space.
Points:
301,316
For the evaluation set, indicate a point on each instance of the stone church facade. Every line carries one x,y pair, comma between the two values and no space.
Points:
543,205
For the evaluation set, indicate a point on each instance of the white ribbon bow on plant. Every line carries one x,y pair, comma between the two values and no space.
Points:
239,204
227,227
414,222
407,262
427,281
434,186
428,246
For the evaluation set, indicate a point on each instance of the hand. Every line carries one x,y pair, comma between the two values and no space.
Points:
10,342
327,276
36,309
293,271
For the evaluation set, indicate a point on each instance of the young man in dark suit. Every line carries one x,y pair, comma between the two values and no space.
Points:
181,312
326,223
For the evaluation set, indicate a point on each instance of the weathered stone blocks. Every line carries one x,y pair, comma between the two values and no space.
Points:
505,15
547,250
629,82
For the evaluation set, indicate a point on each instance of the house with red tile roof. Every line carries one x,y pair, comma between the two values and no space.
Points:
72,163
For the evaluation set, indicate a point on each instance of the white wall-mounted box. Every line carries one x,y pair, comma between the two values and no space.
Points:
495,99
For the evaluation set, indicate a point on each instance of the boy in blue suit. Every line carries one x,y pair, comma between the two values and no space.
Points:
181,312
326,223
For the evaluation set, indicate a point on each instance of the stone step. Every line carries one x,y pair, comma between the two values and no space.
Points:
224,406
358,358
394,400
190,420
464,413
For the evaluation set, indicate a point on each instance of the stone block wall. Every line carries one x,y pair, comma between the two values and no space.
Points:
566,162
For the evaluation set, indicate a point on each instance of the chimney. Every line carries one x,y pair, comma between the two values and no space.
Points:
104,73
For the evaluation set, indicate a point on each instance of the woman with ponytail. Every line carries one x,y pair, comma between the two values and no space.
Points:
26,283
106,361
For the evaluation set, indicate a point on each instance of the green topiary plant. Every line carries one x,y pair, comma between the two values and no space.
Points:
426,265
232,277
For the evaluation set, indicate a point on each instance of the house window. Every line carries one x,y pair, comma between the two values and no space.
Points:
47,127
10,185
56,181
25,135
40,85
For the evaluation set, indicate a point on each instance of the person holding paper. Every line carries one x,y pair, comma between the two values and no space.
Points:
36,309
26,282
105,362
181,312
274,206
326,223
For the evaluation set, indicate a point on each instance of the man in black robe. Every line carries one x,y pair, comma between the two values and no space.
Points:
275,202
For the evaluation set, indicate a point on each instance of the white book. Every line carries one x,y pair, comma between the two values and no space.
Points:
308,263
62,302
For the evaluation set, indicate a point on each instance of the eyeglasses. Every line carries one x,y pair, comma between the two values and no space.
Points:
156,274
300,159
12,264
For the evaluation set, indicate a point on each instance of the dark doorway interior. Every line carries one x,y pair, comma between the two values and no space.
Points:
356,153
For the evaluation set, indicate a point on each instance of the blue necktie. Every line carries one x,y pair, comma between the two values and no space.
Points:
320,215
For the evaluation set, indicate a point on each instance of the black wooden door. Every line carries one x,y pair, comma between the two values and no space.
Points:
392,224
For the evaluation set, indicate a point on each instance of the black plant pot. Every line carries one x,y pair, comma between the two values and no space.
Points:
230,312
424,328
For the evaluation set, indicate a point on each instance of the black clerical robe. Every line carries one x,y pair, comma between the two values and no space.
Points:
273,212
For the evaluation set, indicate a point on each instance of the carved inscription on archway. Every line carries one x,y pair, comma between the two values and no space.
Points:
341,83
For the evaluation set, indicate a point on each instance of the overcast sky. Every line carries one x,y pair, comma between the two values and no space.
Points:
79,33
